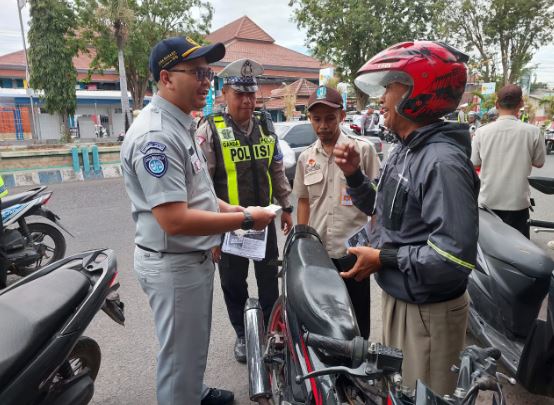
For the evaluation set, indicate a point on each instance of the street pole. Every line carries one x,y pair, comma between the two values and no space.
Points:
35,130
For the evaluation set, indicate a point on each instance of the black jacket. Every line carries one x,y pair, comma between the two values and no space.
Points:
426,216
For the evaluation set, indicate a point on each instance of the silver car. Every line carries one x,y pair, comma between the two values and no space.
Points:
300,134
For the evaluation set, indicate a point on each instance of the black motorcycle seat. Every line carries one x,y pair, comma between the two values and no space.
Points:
32,313
317,292
504,243
19,198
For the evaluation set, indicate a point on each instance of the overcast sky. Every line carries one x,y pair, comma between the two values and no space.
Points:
274,19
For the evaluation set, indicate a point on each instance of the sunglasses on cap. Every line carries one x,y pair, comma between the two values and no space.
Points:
201,73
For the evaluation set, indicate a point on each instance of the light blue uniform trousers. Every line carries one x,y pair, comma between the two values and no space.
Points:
180,291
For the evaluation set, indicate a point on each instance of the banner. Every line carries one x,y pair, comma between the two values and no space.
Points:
325,75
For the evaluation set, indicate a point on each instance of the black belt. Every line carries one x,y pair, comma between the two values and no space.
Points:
170,253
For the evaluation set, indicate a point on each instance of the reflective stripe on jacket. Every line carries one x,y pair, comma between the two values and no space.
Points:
243,178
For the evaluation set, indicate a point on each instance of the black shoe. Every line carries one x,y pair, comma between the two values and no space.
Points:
217,396
240,350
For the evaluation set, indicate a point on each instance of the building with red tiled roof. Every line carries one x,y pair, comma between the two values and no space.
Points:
12,72
243,38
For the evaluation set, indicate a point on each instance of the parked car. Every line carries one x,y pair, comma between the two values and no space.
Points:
300,134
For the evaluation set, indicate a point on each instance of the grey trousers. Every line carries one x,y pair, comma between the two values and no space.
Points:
180,291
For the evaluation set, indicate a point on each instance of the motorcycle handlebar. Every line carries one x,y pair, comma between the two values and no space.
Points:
541,224
354,350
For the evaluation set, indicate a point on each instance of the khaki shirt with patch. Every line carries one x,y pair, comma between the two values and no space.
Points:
321,181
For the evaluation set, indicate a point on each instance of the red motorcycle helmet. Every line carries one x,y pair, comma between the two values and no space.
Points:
434,71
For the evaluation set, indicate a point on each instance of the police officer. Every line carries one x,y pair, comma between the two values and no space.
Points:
3,259
246,165
179,218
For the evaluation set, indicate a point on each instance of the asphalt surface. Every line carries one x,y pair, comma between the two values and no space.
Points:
98,214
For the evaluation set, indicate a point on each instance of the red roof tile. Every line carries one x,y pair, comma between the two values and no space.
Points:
268,54
243,28
81,62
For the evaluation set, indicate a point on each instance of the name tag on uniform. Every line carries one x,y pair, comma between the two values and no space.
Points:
345,198
195,161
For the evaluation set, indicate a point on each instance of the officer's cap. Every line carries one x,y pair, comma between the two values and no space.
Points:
172,51
241,75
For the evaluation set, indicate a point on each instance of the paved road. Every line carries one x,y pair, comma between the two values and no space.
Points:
98,213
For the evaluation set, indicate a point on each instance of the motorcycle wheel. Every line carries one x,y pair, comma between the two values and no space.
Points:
276,325
549,148
85,355
51,241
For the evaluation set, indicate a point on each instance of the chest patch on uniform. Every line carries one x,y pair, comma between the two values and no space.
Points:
226,134
152,145
156,164
312,166
242,153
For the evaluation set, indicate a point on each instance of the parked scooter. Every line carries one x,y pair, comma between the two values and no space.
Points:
312,351
44,359
507,289
28,246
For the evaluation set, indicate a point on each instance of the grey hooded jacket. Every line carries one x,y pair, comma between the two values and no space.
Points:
425,214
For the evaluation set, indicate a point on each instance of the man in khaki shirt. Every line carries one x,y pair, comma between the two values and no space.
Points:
323,202
506,150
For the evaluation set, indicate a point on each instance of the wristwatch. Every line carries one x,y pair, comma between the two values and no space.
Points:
288,209
248,222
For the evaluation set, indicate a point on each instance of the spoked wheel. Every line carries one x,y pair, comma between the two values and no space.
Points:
276,346
49,242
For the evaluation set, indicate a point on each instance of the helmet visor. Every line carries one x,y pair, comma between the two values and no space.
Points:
373,83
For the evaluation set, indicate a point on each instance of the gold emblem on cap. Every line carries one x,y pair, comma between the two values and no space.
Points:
191,50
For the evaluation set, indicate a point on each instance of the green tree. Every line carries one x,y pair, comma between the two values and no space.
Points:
153,20
347,33
503,33
52,48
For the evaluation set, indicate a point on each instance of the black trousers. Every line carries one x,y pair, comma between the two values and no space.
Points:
359,293
516,219
233,271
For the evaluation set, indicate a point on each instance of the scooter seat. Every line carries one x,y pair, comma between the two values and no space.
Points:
19,198
508,245
31,314
317,292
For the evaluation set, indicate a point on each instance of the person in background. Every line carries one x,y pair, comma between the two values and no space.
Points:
506,151
323,202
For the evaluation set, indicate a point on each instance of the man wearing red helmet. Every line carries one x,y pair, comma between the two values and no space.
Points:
424,207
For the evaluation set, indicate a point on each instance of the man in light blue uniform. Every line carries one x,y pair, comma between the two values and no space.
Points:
179,219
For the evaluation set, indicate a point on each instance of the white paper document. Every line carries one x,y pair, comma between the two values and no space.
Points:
250,244
360,237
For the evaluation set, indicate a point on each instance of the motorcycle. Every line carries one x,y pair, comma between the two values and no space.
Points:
512,278
312,352
44,357
28,246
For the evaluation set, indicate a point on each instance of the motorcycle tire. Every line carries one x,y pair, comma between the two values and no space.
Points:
85,354
38,230
549,148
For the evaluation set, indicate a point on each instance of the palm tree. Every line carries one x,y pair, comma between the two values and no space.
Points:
117,15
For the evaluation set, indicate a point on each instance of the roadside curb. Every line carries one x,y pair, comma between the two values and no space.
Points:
59,175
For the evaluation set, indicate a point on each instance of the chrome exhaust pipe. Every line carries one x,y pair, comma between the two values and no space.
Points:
258,378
